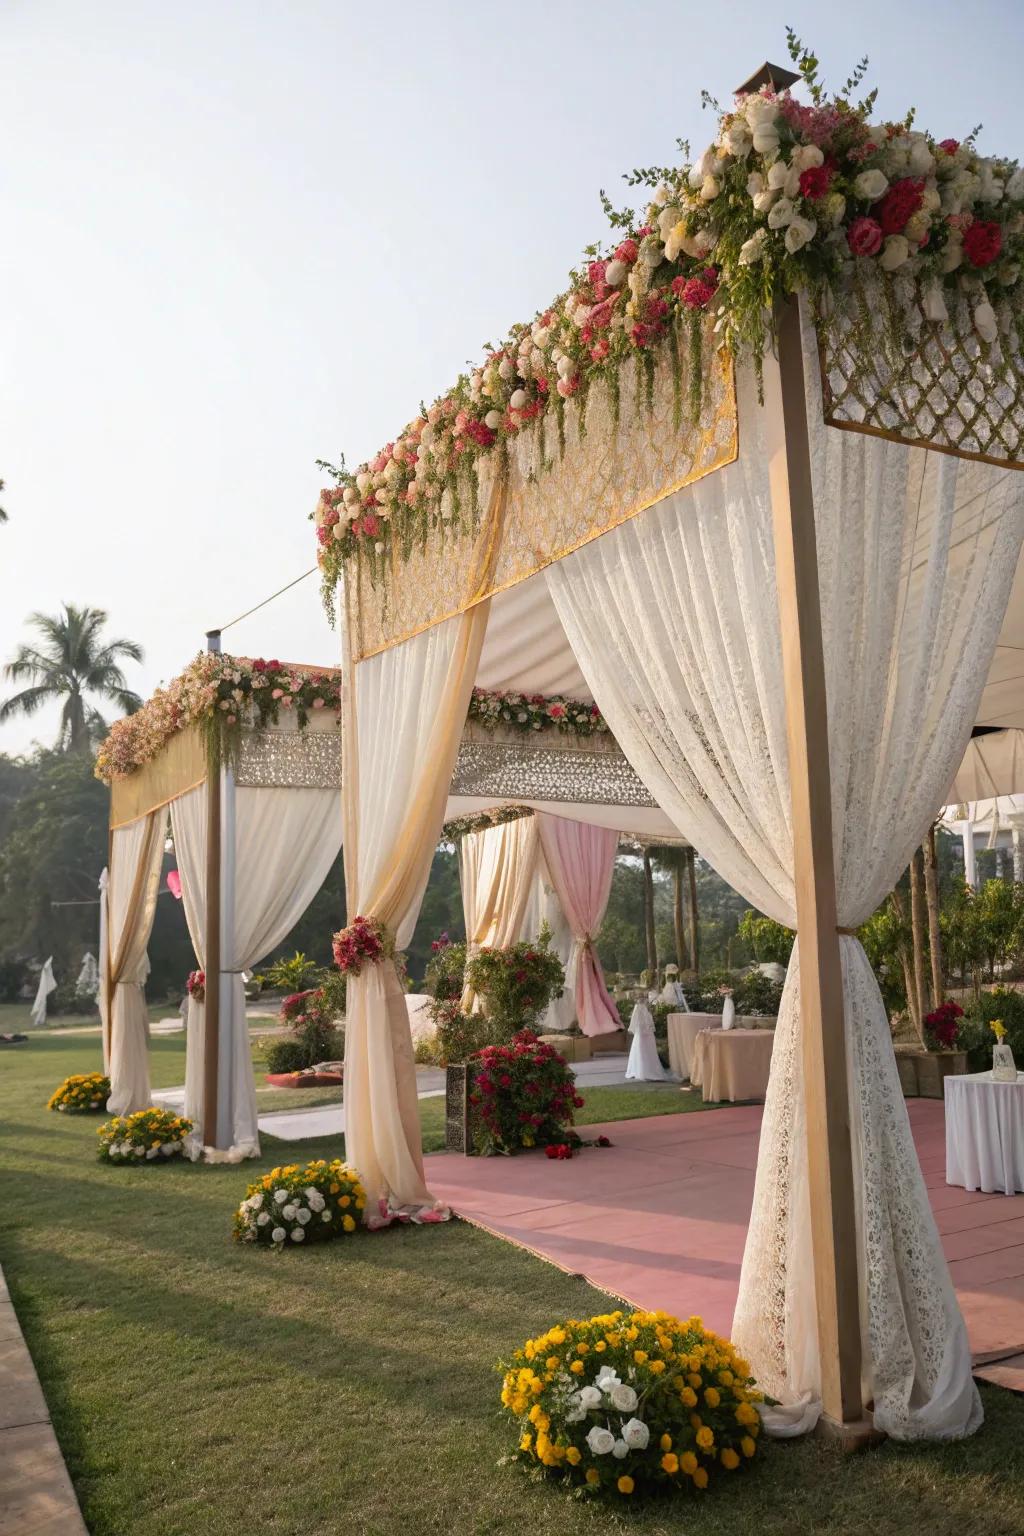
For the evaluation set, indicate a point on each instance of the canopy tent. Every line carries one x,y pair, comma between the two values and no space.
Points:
274,829
715,588
985,806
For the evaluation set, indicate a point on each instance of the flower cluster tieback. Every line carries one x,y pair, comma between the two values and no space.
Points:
196,986
364,942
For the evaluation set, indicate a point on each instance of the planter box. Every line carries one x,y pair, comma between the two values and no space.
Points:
572,1047
906,1066
933,1067
615,1040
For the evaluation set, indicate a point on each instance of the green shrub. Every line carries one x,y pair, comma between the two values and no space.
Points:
976,1036
445,974
293,974
13,976
286,1056
755,993
515,985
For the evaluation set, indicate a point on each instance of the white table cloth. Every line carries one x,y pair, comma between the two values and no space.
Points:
985,1133
683,1029
644,1064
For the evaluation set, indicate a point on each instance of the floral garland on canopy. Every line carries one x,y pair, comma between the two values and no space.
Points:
227,692
221,693
789,197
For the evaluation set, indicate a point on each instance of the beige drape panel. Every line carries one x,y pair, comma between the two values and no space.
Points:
134,880
402,726
498,871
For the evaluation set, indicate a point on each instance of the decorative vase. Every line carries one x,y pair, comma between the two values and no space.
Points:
1003,1067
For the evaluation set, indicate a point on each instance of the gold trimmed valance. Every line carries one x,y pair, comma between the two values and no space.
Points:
621,454
179,767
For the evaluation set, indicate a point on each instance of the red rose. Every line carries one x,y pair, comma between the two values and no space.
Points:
902,199
627,251
983,242
814,183
864,237
949,145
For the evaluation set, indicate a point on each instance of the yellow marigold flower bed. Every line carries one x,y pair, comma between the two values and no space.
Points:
296,1204
82,1094
658,1404
148,1136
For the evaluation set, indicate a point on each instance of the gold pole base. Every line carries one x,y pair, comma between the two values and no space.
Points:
853,1435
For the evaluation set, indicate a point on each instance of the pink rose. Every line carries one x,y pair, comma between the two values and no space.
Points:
277,693
318,703
864,236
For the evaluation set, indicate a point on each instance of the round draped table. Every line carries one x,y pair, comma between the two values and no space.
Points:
985,1133
732,1064
683,1029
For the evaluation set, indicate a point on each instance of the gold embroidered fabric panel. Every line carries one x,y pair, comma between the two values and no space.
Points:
306,759
557,500
948,392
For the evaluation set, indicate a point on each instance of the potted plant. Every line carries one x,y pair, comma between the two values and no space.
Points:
943,1058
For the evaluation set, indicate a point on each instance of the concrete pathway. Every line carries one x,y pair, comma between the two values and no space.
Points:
36,1496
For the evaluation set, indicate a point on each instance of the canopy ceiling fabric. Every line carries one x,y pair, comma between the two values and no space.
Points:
993,765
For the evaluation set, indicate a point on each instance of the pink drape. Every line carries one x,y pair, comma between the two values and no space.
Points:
580,860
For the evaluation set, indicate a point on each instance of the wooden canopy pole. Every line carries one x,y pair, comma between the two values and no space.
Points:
211,1031
829,1153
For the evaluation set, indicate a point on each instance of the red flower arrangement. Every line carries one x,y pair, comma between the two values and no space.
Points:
364,942
196,985
982,242
522,1095
943,1024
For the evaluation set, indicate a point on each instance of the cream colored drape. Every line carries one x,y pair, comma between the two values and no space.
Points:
278,845
402,726
498,872
133,883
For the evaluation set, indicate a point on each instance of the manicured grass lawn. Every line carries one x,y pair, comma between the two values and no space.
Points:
203,1389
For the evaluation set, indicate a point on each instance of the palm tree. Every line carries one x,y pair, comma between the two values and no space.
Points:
673,861
71,662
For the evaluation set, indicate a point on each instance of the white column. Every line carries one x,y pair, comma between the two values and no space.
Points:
970,862
1018,856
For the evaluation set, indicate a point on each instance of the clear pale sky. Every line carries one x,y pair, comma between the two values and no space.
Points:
239,237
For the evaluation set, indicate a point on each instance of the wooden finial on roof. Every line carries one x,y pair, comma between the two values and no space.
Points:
769,74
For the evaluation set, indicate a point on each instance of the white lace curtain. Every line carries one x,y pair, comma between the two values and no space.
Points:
278,845
498,875
133,883
402,727
917,552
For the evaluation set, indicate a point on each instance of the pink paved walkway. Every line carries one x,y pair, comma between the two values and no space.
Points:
660,1218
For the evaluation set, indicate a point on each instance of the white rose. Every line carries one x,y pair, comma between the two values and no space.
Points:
895,252
590,1397
600,1440
652,252
620,1450
763,201
363,481
623,1398
507,368
297,1235
518,399
152,1152
778,175
304,1216
615,273
752,250
278,1235
759,109
700,244
138,1151
917,226
325,1216
493,420
766,138
262,1219
799,232
566,367
636,1434
662,194
606,1378
870,185
931,202
985,321
806,157
288,1212
1014,188
737,139
710,188
835,207
755,183
781,214
921,160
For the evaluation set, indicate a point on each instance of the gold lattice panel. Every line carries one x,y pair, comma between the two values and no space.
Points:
558,498
946,390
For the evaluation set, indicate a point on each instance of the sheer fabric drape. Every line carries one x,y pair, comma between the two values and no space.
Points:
580,860
917,553
497,871
133,882
277,847
402,726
